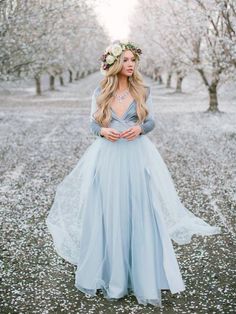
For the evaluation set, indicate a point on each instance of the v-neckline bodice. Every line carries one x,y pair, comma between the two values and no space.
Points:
126,111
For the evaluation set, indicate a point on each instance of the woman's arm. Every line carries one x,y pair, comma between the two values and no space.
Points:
95,127
149,122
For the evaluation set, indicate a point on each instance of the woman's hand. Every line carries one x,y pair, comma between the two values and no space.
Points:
110,134
131,133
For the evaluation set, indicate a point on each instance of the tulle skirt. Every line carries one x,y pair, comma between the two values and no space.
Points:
114,216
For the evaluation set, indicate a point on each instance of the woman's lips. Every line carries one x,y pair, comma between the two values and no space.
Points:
130,70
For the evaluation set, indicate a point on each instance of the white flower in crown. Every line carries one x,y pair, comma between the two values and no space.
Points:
108,49
116,50
123,47
125,42
110,59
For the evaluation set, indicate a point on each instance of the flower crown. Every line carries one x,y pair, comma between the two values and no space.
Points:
113,52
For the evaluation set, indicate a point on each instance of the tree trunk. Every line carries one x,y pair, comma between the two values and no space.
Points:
160,81
70,76
212,90
77,76
168,83
52,82
213,99
179,84
61,80
154,77
38,85
157,75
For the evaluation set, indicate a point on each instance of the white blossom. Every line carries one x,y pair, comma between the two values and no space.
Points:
116,50
110,59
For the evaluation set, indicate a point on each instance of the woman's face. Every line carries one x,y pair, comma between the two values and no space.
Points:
128,63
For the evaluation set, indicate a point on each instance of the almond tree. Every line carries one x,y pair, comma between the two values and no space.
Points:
205,41
190,35
216,53
49,37
155,35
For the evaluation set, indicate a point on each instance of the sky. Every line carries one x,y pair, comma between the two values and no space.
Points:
114,15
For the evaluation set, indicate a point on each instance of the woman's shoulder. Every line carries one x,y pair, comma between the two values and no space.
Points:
97,90
148,90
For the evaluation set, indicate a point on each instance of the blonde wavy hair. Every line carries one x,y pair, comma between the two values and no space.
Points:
108,86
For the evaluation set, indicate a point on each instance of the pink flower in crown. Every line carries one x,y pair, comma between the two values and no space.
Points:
103,57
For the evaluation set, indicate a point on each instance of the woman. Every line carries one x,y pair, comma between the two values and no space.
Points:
115,214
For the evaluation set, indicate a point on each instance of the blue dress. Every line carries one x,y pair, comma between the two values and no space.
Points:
115,213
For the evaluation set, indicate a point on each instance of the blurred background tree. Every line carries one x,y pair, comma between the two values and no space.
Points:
182,36
49,37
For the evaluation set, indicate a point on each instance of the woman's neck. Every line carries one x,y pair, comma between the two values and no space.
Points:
122,83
